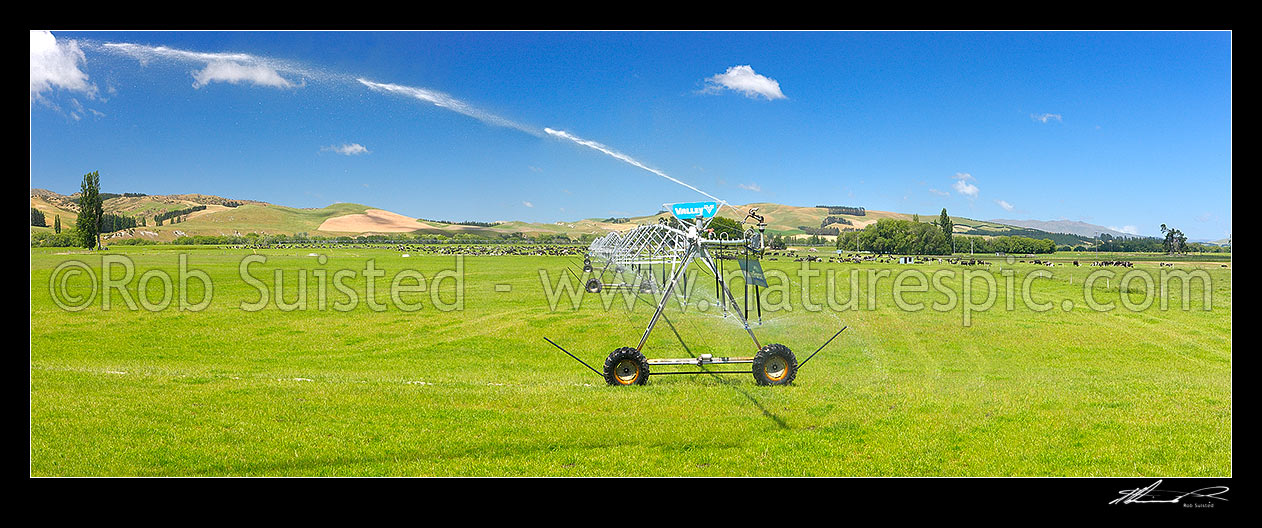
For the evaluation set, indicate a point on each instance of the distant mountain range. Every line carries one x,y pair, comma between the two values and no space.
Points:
1066,226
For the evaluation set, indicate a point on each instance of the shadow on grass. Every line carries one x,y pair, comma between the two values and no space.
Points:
729,383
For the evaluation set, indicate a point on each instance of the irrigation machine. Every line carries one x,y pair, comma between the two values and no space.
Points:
657,257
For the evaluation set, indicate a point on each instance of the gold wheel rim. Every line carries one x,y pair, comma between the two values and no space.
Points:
626,371
776,368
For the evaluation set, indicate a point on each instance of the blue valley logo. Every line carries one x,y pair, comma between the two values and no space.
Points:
690,210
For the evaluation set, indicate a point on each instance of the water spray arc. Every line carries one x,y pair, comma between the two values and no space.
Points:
628,159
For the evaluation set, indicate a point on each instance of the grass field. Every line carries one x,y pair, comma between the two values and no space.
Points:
478,392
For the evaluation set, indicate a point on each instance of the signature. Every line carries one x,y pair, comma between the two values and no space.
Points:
1151,494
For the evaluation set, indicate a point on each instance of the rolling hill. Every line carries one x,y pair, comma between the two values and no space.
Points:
223,216
219,216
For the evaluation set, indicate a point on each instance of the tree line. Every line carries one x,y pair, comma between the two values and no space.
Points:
1174,243
831,231
834,220
904,237
889,236
474,223
111,222
1008,245
162,217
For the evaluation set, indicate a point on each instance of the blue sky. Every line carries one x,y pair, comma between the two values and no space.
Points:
1122,129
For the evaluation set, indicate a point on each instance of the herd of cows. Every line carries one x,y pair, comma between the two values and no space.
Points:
434,249
563,250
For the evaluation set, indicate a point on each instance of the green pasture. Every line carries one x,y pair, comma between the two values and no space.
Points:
476,391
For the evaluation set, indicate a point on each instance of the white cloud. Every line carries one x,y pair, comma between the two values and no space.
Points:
527,204
963,186
1128,229
234,68
1044,118
751,187
347,149
237,73
939,193
743,79
1004,204
966,188
57,65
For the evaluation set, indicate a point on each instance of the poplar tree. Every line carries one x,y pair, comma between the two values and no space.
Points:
944,222
91,210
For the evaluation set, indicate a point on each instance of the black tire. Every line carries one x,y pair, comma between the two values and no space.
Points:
775,364
593,285
626,366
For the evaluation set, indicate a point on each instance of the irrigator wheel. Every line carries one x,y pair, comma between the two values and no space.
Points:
775,364
593,285
626,366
